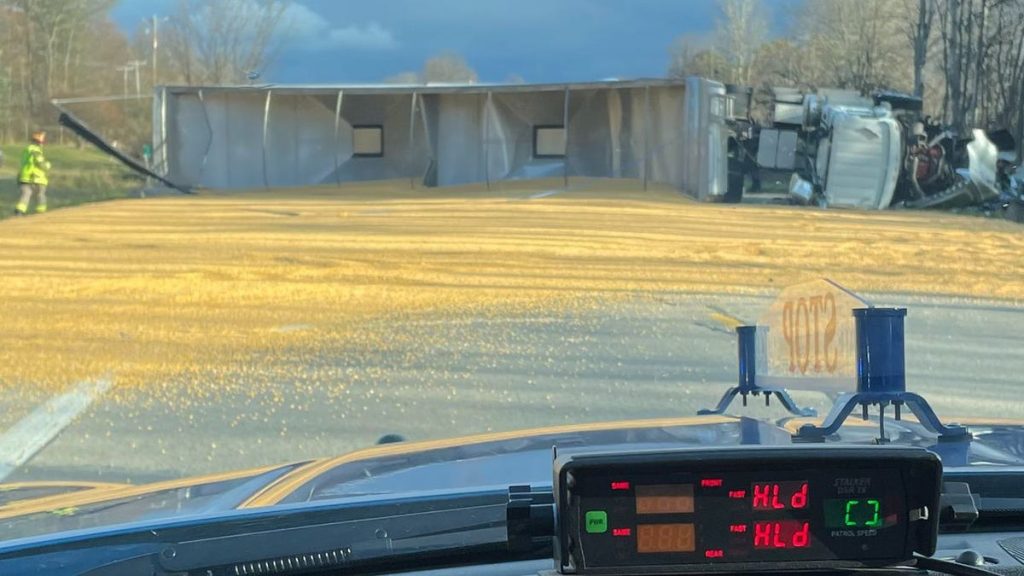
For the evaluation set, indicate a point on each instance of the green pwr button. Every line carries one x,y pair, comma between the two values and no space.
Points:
596,522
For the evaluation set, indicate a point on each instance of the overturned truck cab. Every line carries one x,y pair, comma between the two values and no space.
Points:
882,152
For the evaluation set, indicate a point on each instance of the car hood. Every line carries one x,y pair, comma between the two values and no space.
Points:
492,460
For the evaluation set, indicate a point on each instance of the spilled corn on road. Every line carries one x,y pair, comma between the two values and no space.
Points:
243,329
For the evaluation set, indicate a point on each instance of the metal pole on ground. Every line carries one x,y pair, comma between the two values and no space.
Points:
161,147
337,127
209,141
487,140
647,134
266,124
412,141
565,132
296,172
431,156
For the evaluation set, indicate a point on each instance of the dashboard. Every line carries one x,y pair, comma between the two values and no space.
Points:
764,510
811,509
950,546
743,509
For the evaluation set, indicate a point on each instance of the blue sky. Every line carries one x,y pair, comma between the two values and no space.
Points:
539,40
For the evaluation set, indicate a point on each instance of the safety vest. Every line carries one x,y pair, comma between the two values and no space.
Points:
33,166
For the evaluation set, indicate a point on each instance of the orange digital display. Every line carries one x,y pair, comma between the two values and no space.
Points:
660,538
664,499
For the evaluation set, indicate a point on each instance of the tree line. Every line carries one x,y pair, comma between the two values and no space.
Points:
66,48
49,49
964,57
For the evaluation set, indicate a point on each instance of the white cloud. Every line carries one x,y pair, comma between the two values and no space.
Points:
372,36
308,29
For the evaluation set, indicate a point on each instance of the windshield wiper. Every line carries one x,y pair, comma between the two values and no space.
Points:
429,530
435,529
976,500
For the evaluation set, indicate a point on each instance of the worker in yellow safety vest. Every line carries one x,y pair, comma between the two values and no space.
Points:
32,176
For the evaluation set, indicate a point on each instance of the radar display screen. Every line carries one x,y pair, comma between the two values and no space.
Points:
766,508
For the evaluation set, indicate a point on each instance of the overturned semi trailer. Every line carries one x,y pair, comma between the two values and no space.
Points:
651,131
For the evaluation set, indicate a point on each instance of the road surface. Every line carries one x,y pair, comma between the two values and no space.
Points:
442,376
242,330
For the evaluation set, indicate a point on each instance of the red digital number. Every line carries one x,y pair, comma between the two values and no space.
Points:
780,495
782,534
799,498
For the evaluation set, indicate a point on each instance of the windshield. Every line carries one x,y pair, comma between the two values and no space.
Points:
293,255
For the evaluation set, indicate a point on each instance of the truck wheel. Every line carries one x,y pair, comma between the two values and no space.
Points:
734,188
1015,211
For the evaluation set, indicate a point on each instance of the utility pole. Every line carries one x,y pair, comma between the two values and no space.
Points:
153,27
155,44
124,103
135,66
125,70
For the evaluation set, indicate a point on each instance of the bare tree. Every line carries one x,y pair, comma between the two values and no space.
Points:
964,49
222,41
919,35
53,49
857,45
679,55
742,29
965,57
685,59
1005,84
784,63
448,67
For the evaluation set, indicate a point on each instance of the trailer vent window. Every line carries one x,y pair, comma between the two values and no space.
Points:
549,141
368,141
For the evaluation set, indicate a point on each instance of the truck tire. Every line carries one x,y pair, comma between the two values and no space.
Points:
734,188
1015,211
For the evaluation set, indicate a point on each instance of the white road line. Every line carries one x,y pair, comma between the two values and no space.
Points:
33,432
544,194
